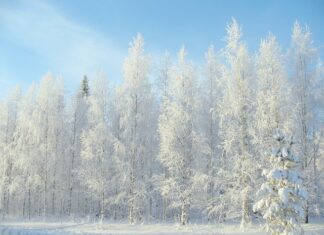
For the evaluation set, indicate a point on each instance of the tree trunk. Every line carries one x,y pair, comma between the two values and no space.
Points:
246,215
29,201
45,169
54,189
72,166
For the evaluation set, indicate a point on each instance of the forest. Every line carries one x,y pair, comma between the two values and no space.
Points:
181,144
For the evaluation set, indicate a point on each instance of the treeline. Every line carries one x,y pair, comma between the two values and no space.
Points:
190,146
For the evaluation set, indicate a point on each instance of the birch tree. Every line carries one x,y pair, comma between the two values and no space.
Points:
48,124
8,124
163,83
27,178
303,56
97,146
271,107
234,121
78,124
211,94
177,138
135,107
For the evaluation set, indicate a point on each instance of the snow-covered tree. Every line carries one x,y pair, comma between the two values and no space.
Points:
317,191
177,138
135,109
235,116
48,125
27,177
271,107
163,84
97,146
282,195
119,201
305,83
210,96
78,123
8,124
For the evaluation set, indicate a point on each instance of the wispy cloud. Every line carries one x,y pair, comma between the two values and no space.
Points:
68,47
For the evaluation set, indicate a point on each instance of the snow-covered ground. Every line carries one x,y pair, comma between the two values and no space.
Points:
40,228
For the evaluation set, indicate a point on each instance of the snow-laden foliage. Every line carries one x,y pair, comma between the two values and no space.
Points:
172,141
283,195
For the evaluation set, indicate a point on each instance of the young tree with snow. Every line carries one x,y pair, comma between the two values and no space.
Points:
282,195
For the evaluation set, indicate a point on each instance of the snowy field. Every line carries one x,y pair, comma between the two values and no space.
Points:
40,228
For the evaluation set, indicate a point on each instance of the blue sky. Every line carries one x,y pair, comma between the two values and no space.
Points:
77,37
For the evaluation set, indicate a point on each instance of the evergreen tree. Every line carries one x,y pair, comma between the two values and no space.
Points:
85,86
282,195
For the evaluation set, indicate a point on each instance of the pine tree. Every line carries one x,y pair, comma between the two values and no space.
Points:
85,86
283,195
